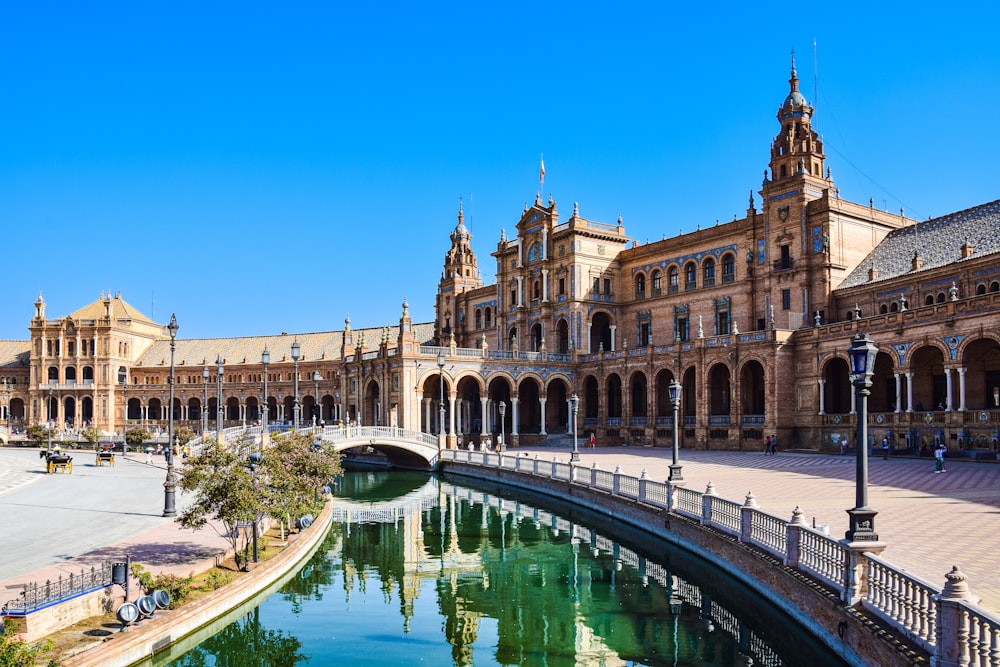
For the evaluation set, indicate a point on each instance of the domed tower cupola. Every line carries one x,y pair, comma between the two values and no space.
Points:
461,274
797,149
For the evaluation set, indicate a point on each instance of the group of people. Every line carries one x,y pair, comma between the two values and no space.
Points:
771,445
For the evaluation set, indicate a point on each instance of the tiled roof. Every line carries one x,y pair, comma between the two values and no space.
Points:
939,242
120,310
314,346
14,353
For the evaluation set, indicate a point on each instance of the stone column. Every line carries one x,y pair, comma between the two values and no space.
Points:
484,402
947,400
822,399
899,393
961,389
427,415
520,291
542,401
545,285
909,391
590,328
614,330
514,401
451,416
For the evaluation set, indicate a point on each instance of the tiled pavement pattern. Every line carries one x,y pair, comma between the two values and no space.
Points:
16,472
928,521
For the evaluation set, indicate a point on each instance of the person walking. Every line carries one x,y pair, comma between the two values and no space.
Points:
939,455
593,441
885,449
149,456
774,444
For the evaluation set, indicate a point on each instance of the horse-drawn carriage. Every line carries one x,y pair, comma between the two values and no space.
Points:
56,461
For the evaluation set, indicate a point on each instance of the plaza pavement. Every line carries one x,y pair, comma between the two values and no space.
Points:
57,525
928,521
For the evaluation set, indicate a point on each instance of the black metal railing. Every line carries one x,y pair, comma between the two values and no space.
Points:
35,595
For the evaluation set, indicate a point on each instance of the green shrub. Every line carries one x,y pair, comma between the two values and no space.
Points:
179,588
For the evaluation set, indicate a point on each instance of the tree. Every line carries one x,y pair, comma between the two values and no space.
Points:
16,653
38,434
227,490
91,435
136,437
183,436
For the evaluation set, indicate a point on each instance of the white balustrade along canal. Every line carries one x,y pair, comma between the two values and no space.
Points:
944,621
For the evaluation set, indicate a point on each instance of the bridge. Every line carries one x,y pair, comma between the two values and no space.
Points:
403,447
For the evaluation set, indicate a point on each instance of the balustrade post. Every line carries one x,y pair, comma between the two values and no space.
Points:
671,497
593,475
535,468
616,480
746,517
706,504
793,538
951,630
643,478
552,470
855,584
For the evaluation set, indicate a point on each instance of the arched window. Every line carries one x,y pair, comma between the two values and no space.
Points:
672,279
995,286
981,288
929,300
728,268
488,318
656,282
479,318
708,272
690,275
893,307
940,297
640,286
883,309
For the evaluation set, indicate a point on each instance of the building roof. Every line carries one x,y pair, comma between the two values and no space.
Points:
120,310
14,353
938,242
314,347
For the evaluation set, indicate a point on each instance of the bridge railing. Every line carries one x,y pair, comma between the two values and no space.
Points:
945,622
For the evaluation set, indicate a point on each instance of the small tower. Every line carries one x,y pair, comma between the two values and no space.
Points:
797,149
347,343
461,274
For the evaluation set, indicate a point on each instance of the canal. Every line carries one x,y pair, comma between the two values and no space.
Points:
421,570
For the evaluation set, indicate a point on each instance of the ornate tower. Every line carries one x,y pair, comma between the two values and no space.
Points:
461,274
797,150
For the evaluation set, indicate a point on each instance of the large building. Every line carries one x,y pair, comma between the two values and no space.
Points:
753,317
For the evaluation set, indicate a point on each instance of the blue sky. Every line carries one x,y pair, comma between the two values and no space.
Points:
258,168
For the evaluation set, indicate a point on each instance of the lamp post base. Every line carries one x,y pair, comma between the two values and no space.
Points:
574,456
862,527
675,474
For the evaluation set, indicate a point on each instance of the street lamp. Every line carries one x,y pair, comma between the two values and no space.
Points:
503,413
441,393
123,381
265,359
295,360
255,459
169,486
205,374
674,391
862,353
574,404
49,429
319,413
218,397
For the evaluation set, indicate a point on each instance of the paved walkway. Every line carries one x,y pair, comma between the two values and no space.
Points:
929,521
57,525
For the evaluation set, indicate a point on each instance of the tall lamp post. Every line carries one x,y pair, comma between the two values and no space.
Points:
205,374
503,413
674,391
265,359
218,397
441,393
319,413
169,485
123,381
295,361
255,459
862,353
574,404
49,410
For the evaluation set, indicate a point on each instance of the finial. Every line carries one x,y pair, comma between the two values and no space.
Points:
576,209
619,219
751,200
503,235
406,307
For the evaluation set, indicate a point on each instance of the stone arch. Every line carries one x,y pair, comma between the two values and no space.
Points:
638,396
194,410
133,409
557,416
537,336
613,396
720,387
562,336
70,374
87,409
640,285
154,410
600,332
929,384
529,408
883,392
435,388
752,390
689,391
469,403
590,401
232,405
836,386
69,411
499,389
371,411
664,408
982,379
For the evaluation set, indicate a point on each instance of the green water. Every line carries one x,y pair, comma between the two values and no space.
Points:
456,576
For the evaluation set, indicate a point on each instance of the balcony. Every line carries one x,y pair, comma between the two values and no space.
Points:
784,264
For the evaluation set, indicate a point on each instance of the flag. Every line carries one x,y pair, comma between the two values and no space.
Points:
541,172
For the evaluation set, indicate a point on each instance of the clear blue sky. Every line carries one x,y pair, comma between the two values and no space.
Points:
266,167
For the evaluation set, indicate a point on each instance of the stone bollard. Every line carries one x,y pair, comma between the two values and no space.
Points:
951,632
616,480
746,517
706,504
793,537
643,478
593,475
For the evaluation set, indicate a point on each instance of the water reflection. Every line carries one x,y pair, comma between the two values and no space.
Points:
445,574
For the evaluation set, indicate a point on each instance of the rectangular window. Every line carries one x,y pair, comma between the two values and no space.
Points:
607,285
682,328
786,299
513,298
597,285
723,323
562,286
643,334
